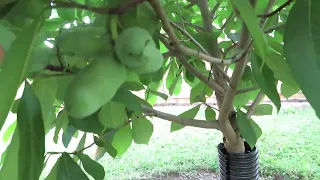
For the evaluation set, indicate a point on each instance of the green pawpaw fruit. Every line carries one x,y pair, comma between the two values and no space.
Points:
84,41
94,86
153,61
130,46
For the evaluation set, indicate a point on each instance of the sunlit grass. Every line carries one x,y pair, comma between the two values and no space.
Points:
289,145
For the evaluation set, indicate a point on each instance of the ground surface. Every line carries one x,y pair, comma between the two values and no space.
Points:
288,147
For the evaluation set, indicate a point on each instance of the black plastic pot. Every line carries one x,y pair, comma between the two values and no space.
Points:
238,166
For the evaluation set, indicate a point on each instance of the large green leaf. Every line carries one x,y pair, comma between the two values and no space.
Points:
191,113
249,130
67,135
141,15
288,91
92,167
62,84
198,93
122,140
15,66
45,89
112,114
157,93
262,109
127,98
265,80
210,114
142,130
280,68
10,167
80,146
32,135
68,169
302,48
9,132
7,37
61,123
252,22
90,124
175,87
54,171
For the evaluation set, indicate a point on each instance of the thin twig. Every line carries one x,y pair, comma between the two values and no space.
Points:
287,3
201,48
255,103
211,106
197,27
225,53
267,31
184,32
191,52
241,91
168,54
230,17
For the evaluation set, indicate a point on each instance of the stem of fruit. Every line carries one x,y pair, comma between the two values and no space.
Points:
114,26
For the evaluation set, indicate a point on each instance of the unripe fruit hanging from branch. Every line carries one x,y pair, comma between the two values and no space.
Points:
136,49
94,86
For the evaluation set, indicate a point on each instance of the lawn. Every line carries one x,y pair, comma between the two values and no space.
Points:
289,146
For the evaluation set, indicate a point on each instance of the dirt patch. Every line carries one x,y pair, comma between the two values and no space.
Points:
202,175
194,175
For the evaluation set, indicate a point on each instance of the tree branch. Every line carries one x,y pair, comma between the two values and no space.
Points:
253,106
117,10
190,37
183,49
241,91
192,70
230,17
184,121
287,3
192,3
227,106
205,14
197,27
199,46
168,54
191,52
165,22
215,9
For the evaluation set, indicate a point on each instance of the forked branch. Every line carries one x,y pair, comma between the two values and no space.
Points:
191,69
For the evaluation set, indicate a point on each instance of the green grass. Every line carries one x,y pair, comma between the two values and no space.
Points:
289,145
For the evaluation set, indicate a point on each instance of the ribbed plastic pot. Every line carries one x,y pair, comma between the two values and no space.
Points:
238,166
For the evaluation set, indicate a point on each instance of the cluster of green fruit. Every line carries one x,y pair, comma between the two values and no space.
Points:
94,86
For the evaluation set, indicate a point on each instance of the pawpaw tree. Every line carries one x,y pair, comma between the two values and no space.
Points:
79,64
